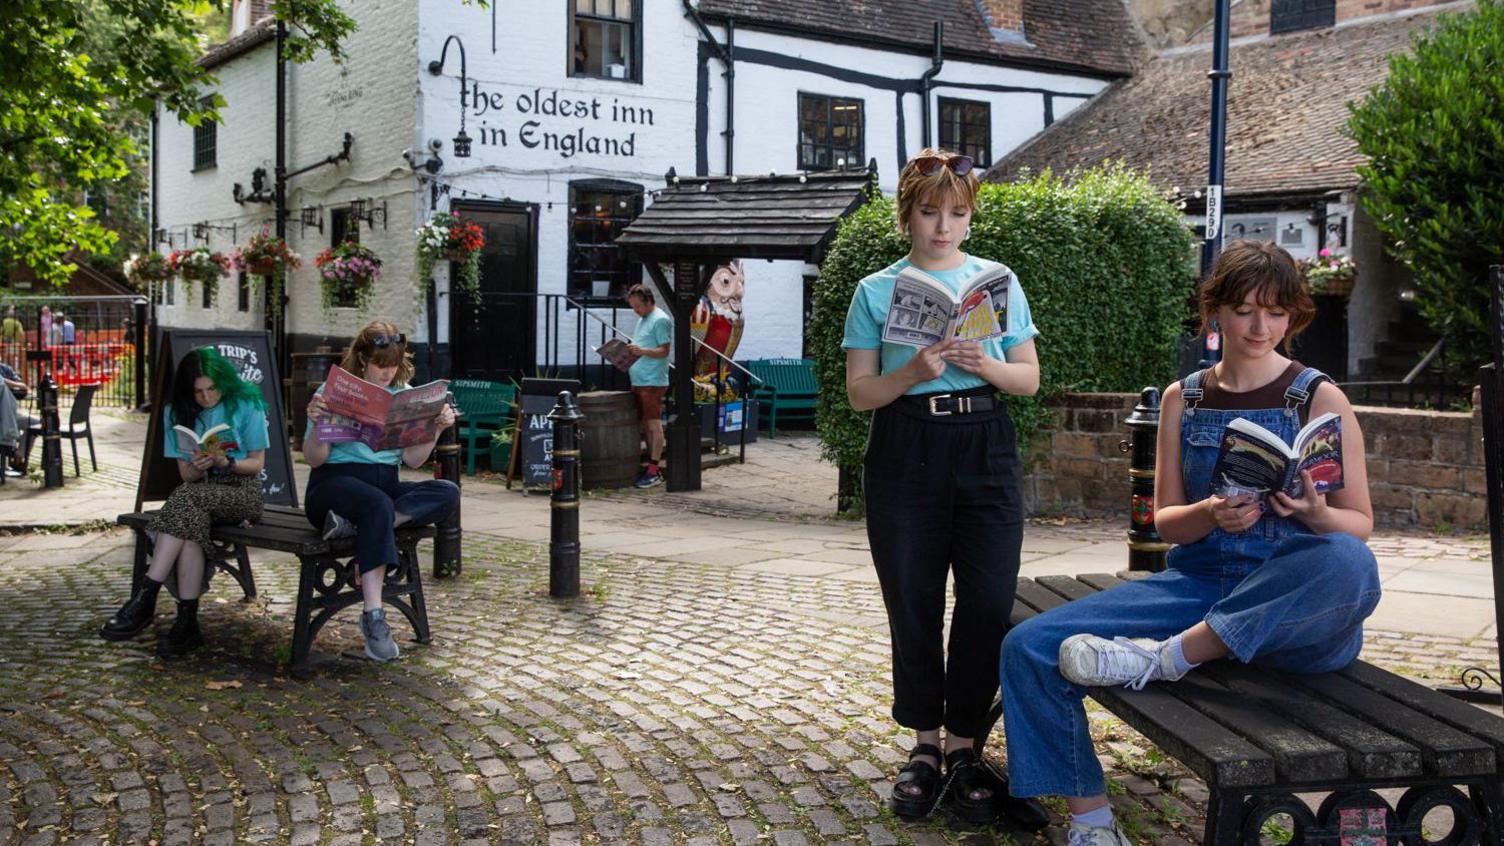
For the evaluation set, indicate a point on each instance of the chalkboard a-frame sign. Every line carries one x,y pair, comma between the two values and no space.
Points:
250,353
534,438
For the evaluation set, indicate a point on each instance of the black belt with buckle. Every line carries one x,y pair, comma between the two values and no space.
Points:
946,405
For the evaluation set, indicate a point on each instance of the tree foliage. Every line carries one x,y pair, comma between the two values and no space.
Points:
1105,263
1433,134
73,75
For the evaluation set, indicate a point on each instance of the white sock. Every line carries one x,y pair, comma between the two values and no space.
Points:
1100,818
1177,655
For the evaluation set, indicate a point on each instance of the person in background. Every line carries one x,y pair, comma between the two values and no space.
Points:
15,439
68,332
221,484
649,375
355,491
11,329
44,328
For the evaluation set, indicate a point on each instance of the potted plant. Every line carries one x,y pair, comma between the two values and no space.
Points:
449,237
347,270
501,449
200,264
1330,274
267,258
147,271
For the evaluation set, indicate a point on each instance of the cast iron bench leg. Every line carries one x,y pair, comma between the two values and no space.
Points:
1489,798
1224,818
301,636
404,590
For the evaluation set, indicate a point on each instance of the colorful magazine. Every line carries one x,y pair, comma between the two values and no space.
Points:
366,412
924,312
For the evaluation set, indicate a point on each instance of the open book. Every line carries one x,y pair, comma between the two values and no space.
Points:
924,311
1253,461
616,352
366,412
209,443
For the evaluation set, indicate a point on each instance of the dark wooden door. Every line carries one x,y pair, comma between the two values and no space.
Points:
494,335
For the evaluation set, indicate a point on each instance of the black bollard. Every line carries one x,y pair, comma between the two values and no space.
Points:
447,560
52,444
1146,550
564,503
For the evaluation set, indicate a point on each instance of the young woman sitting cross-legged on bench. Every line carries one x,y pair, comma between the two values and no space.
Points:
221,484
354,490
1286,584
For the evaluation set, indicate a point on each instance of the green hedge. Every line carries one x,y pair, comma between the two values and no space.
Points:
1106,264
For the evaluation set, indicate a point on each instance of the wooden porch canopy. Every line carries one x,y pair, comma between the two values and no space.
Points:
697,224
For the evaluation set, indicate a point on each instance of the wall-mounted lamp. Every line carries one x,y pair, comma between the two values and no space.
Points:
368,211
461,141
310,216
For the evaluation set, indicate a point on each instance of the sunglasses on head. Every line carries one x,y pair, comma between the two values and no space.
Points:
930,165
381,342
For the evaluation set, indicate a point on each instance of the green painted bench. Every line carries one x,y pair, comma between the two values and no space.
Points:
485,407
787,388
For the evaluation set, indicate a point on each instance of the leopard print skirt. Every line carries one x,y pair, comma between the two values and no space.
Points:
195,507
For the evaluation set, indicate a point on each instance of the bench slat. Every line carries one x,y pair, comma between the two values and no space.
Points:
1217,755
1454,712
1371,752
1444,750
1101,581
1066,586
1299,756
1032,599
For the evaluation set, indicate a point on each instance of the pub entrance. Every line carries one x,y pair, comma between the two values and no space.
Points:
494,335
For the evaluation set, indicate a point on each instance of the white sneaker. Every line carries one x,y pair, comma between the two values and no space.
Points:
1081,835
336,526
1097,662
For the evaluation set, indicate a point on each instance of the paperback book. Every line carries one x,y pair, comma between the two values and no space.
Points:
1253,462
924,312
366,412
209,443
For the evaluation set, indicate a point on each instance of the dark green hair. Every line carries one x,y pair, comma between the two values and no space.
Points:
233,390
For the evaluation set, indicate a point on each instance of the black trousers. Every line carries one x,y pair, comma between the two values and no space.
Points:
368,495
944,494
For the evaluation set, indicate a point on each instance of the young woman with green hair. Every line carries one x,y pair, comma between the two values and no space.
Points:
221,484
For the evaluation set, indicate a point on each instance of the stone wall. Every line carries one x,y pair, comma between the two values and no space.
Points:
1425,468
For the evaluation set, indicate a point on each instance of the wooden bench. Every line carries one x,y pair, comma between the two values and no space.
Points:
324,577
787,387
1258,737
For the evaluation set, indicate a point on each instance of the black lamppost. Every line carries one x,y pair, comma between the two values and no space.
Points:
1219,75
461,141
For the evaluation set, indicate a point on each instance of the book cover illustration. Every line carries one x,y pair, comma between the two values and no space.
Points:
209,443
362,411
1254,462
923,311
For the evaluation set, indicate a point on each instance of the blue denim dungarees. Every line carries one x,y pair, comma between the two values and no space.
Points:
1276,594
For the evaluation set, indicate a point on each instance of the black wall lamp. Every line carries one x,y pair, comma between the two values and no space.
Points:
368,211
461,141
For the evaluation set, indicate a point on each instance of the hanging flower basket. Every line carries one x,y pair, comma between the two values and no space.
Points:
145,272
1330,275
202,265
448,237
347,272
267,258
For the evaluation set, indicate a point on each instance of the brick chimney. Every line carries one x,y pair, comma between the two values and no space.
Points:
1004,17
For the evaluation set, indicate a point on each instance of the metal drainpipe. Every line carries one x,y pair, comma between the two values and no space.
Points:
937,61
725,54
279,324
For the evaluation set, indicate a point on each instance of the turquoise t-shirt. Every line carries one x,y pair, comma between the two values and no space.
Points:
356,452
869,311
247,432
655,330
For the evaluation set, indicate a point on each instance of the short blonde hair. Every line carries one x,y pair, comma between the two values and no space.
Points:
915,187
363,352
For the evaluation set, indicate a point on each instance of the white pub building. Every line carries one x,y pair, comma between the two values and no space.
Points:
574,112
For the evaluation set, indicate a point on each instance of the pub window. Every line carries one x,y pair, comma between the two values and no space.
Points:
599,210
344,228
205,140
966,128
830,133
1296,15
605,39
170,287
243,291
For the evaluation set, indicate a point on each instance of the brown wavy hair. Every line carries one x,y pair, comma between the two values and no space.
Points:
363,351
1257,266
915,188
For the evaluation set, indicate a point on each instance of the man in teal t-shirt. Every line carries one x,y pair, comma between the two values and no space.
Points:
649,375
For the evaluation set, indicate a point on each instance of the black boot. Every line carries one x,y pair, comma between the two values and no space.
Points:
135,614
185,635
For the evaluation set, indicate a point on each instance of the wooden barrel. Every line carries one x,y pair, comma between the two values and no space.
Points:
610,439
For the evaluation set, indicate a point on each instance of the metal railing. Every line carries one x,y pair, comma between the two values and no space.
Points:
78,341
1409,391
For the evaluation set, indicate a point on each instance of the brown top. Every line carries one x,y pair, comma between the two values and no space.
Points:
1271,395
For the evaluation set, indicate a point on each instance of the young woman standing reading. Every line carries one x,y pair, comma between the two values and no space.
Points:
1287,584
942,481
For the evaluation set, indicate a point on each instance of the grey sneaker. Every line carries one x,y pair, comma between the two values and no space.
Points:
1081,835
336,526
1097,662
379,643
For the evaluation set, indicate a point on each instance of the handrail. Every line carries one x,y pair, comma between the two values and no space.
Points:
1415,371
717,353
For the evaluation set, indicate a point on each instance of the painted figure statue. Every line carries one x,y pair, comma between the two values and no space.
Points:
717,323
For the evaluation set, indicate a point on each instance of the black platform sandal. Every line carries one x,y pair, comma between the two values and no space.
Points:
1025,813
965,774
922,775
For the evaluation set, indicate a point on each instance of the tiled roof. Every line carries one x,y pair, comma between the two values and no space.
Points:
1286,112
1090,35
259,33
